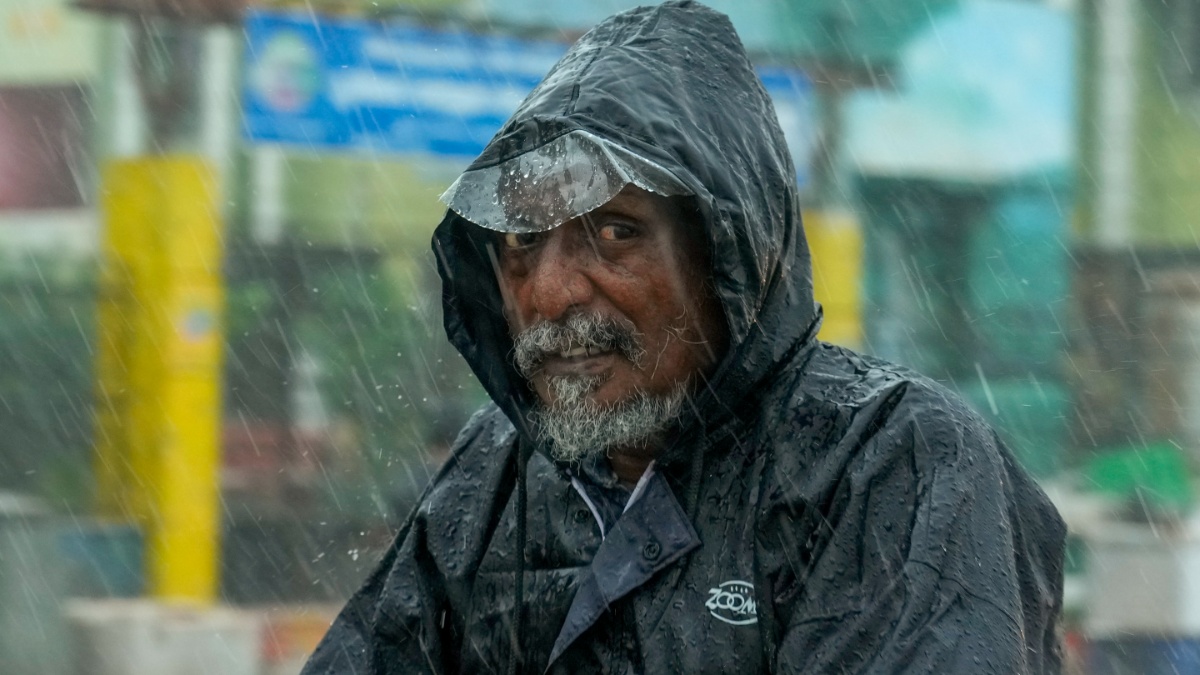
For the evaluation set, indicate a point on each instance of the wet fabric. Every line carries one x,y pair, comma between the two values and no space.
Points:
601,490
816,511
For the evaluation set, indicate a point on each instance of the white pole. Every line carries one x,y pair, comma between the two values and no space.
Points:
127,115
269,164
218,103
1116,95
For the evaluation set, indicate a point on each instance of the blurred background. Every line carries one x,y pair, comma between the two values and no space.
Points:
223,376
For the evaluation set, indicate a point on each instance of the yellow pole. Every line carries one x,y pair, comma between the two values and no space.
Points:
158,372
835,241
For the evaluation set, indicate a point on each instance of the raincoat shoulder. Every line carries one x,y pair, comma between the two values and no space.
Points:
900,534
397,623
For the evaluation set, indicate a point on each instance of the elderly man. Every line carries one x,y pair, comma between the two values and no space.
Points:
675,475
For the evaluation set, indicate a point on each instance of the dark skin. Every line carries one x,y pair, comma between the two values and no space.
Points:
639,258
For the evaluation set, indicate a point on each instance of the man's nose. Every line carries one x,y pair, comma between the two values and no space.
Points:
558,280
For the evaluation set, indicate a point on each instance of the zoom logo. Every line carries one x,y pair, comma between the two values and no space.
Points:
733,602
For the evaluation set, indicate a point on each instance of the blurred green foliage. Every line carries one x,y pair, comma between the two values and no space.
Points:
46,334
372,322
385,383
342,346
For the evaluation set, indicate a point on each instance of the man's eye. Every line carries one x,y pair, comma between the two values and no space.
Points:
517,240
616,232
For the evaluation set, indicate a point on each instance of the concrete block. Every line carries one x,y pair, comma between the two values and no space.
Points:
1143,579
118,637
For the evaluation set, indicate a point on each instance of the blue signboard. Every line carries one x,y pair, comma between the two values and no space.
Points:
351,84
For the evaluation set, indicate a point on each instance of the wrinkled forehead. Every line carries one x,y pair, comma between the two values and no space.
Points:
556,182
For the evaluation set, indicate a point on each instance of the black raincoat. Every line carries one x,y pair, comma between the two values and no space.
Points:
817,511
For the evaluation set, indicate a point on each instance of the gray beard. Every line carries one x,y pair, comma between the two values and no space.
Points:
575,426
579,429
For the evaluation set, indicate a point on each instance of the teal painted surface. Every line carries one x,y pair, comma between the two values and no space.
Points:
984,94
970,286
864,32
917,242
1030,416
1019,282
102,559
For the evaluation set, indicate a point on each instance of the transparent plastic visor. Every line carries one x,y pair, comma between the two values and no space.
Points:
561,180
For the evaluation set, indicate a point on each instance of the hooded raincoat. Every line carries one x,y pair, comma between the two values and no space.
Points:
816,511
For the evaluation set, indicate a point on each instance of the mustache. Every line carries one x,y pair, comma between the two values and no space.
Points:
595,332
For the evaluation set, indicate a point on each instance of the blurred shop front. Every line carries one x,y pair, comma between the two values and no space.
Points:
966,189
967,284
48,233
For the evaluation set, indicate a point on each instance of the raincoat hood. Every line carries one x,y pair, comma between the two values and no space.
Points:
671,84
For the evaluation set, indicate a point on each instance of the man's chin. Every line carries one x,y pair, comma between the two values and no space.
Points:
580,428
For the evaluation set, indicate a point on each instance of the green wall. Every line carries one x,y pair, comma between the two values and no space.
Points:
1166,147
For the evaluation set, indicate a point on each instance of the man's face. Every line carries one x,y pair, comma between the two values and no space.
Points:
639,269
